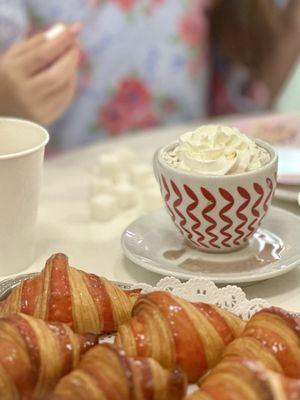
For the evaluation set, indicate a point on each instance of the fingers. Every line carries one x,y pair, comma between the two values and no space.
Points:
58,74
23,46
45,94
57,103
75,28
46,109
41,52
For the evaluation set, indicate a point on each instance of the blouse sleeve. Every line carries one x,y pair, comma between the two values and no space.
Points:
14,22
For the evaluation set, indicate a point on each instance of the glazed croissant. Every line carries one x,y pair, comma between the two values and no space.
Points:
61,293
106,373
176,332
34,355
246,380
271,336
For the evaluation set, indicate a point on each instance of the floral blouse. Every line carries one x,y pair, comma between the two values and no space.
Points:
143,62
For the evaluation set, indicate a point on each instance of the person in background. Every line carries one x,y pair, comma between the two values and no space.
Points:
255,45
90,68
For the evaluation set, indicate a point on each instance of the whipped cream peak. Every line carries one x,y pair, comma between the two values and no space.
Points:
216,150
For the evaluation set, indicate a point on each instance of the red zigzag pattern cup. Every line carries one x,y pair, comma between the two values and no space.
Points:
217,213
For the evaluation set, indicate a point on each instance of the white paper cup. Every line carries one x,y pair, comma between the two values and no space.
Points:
22,145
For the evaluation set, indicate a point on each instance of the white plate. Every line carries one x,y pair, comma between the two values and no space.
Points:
283,132
153,242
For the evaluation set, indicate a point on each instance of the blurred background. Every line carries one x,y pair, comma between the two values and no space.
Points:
90,69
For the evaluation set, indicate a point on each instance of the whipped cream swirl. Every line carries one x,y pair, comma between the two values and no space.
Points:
217,150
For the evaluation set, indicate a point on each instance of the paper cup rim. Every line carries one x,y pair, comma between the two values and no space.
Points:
273,153
32,149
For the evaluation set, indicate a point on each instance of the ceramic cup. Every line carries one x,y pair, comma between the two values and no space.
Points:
22,145
217,213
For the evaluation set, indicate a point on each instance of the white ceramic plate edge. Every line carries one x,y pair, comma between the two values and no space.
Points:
230,280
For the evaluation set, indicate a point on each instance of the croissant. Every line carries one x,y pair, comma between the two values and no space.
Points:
61,293
106,373
246,380
34,355
271,336
176,332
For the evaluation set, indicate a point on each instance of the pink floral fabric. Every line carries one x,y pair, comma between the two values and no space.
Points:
133,106
143,62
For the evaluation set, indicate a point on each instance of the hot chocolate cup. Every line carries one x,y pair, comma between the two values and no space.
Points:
216,214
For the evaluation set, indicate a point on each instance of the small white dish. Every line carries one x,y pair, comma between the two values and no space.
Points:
153,243
282,131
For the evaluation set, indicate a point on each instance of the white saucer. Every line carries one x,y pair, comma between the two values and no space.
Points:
153,242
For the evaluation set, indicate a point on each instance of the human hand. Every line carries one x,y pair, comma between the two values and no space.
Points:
38,76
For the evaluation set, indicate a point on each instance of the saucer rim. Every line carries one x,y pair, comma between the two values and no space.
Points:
218,280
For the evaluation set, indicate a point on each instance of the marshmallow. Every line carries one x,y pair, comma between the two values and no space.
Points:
55,31
141,173
108,166
101,185
126,195
104,207
151,199
122,177
125,155
150,182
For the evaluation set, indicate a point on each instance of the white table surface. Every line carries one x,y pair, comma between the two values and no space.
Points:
64,224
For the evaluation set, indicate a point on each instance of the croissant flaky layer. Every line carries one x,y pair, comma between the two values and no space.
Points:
34,355
61,293
271,336
176,332
270,342
246,380
106,373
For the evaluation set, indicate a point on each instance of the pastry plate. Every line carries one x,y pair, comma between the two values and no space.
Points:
153,243
6,285
231,298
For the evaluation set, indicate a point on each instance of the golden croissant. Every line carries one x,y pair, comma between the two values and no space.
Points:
34,355
246,380
61,293
175,332
106,373
271,336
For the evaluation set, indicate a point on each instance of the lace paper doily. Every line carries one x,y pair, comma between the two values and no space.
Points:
231,298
